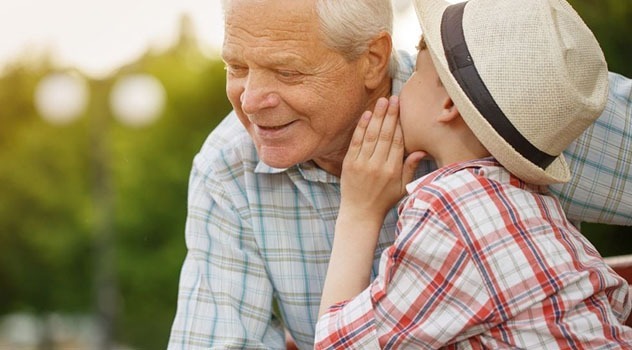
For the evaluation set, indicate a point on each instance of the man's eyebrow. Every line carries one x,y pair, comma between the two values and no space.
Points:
227,55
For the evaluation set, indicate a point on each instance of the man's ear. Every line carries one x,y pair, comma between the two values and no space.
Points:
449,111
377,59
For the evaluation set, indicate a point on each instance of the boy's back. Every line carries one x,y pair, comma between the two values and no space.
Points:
499,259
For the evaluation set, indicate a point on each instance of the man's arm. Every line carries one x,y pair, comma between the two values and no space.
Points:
225,296
601,163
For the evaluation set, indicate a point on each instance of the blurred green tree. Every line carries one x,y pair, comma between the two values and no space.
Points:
151,171
44,217
47,214
611,22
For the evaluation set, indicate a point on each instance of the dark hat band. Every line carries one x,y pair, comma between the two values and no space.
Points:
464,71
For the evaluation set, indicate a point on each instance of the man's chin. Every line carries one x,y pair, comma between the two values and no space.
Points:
279,160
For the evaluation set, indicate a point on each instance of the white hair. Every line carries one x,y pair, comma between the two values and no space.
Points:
349,26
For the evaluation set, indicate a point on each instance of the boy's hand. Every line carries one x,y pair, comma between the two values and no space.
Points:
374,176
374,173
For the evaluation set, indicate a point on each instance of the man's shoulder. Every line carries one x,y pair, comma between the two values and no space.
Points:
405,67
227,146
227,134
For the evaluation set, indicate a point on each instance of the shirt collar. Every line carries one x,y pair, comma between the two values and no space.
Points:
480,163
308,170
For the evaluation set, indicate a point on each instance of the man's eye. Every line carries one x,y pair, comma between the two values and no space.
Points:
287,73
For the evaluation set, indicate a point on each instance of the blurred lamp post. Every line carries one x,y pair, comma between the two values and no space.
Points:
60,98
135,100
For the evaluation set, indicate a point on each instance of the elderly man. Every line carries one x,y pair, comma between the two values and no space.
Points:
264,189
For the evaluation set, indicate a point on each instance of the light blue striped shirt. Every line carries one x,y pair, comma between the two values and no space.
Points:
259,236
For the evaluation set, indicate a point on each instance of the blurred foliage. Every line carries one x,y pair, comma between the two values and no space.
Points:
47,212
611,22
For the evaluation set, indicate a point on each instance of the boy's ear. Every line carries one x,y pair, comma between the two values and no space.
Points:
449,111
377,60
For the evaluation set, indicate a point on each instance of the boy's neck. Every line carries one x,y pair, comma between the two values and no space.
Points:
459,148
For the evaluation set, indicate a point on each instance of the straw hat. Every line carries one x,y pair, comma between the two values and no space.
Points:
527,76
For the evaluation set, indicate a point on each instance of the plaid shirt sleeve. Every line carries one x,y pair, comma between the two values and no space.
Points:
225,296
601,163
413,303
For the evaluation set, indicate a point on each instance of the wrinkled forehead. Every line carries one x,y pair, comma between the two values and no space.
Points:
259,22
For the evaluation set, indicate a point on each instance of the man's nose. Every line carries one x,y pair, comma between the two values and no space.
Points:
258,94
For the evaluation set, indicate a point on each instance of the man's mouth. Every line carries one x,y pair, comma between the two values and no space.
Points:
272,127
272,131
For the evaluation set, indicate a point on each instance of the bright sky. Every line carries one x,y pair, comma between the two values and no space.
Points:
97,36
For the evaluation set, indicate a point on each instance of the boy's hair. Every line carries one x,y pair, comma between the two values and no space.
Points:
422,43
422,46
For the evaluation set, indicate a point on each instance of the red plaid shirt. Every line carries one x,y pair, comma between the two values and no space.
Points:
483,260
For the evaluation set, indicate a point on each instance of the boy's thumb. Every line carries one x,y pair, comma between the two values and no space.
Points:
410,166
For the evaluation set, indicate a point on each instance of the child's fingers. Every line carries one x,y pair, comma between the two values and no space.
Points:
372,132
390,133
410,167
358,135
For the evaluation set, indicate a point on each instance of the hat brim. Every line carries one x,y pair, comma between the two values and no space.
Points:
430,14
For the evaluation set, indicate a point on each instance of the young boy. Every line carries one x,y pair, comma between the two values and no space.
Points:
484,256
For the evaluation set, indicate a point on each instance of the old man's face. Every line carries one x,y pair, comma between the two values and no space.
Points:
298,99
